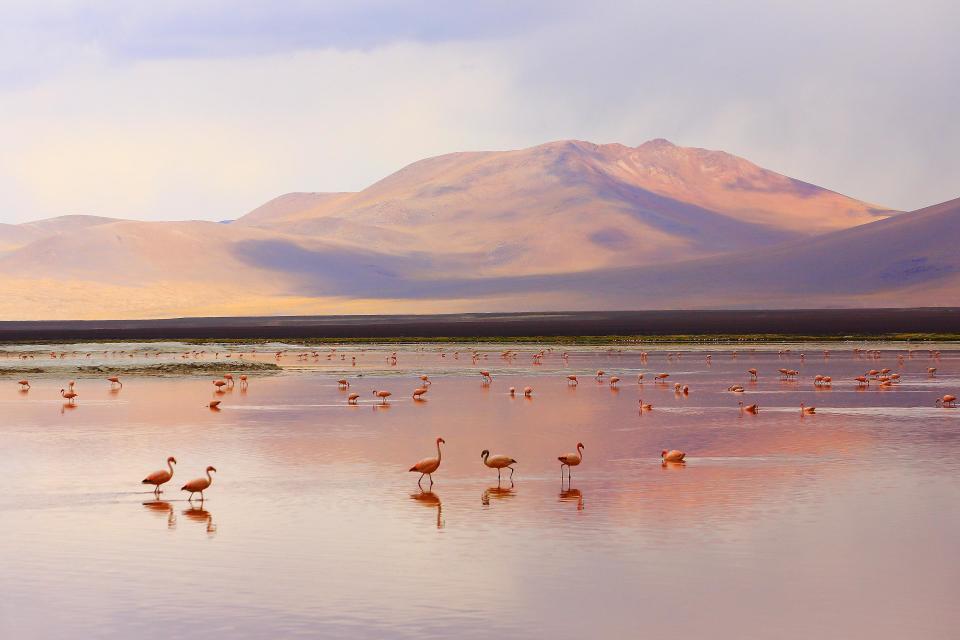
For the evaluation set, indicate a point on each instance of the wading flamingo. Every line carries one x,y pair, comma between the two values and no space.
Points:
661,377
71,396
114,380
672,456
353,398
512,391
343,384
219,384
418,393
600,373
753,373
229,378
383,395
199,485
428,466
645,407
572,380
750,408
24,385
158,478
498,462
486,377
527,392
243,382
947,401
614,380
215,405
807,410
570,460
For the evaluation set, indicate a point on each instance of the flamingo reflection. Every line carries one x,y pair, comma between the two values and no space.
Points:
163,508
201,515
496,493
430,499
572,495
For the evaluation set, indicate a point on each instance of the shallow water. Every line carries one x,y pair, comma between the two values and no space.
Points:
842,524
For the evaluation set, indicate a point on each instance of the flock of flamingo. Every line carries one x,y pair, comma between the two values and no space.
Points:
426,467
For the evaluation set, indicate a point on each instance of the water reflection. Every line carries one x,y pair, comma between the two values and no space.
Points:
201,515
163,508
572,495
430,499
496,493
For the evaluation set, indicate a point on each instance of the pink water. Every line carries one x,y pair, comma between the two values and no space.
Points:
842,524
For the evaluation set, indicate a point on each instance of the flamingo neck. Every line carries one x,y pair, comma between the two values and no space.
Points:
209,477
170,466
439,455
580,451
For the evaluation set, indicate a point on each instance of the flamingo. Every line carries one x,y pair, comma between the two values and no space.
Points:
862,381
750,408
660,377
498,462
512,391
353,398
418,393
243,382
24,385
672,456
428,466
570,460
527,392
736,388
600,373
486,377
807,410
640,378
229,378
219,384
383,395
71,396
199,485
114,380
572,380
947,401
343,384
932,371
215,405
426,380
614,380
158,478
645,407
753,373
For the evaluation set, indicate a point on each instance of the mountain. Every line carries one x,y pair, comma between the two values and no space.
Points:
564,225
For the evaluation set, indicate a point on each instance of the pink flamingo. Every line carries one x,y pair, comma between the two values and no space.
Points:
428,466
158,478
199,485
571,460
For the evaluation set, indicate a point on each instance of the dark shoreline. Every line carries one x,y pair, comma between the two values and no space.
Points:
808,323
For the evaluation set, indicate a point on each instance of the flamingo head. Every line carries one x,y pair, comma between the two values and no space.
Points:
484,453
209,469
580,445
172,460
374,392
663,453
441,441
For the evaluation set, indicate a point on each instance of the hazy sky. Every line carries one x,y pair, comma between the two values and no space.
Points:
207,109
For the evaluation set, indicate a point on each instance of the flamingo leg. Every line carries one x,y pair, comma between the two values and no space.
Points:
511,473
419,480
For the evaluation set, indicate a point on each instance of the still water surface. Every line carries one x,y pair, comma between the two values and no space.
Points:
843,524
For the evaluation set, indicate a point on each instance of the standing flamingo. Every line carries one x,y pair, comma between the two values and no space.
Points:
750,408
614,380
199,485
807,410
753,373
571,460
71,396
114,380
158,478
24,385
428,466
343,384
486,377
219,384
383,395
527,392
498,462
353,398
229,378
243,382
645,407
418,393
947,401
572,381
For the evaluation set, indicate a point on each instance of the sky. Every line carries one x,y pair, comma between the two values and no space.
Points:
205,110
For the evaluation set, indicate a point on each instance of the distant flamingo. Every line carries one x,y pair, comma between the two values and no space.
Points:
343,384
486,377
353,398
24,385
600,373
947,401
383,395
640,378
527,392
807,410
672,456
932,371
614,380
571,460
219,384
114,380
753,373
418,393
645,407
660,377
428,466
215,405
862,381
158,478
199,485
243,382
498,462
512,391
572,380
71,396
750,408
229,378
